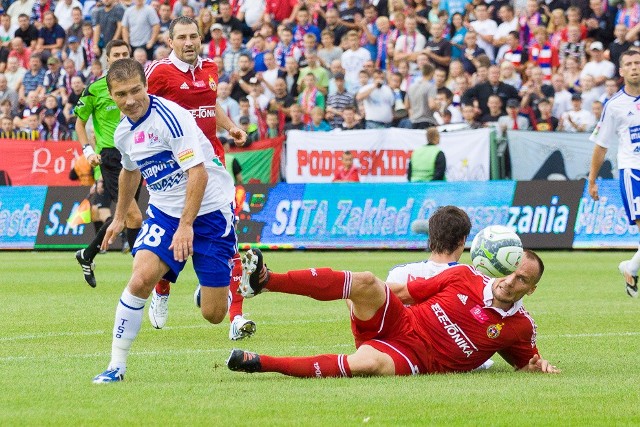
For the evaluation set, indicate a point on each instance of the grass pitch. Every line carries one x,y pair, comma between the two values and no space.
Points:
55,335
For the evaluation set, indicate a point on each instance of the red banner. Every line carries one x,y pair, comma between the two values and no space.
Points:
38,162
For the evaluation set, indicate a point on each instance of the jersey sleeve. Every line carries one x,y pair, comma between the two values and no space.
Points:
397,275
183,137
605,130
119,141
422,289
519,354
84,107
154,82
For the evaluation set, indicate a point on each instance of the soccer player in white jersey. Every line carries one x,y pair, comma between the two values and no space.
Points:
190,206
621,121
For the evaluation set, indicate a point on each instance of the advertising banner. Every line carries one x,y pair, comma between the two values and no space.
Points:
20,213
37,162
543,213
260,161
604,224
363,215
383,154
555,155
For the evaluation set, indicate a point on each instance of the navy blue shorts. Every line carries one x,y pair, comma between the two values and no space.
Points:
214,244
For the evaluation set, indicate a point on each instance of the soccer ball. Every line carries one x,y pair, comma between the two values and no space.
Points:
496,251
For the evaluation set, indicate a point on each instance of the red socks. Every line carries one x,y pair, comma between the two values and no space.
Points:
235,307
163,287
322,284
321,366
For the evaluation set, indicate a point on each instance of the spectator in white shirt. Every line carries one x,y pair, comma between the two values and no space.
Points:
561,97
378,100
577,119
409,44
486,28
509,23
598,67
353,59
63,12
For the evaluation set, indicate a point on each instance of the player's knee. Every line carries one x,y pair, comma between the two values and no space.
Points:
365,283
215,314
366,366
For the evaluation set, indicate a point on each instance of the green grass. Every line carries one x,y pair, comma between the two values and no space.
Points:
55,335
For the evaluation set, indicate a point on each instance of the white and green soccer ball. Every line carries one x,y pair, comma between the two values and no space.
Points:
496,251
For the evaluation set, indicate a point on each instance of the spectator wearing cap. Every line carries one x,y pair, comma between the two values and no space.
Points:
577,119
337,102
140,27
75,53
7,93
512,120
33,78
50,37
598,67
50,129
53,81
63,12
251,129
75,29
378,100
218,43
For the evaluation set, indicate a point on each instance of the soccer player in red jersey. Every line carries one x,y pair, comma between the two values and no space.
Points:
192,83
456,321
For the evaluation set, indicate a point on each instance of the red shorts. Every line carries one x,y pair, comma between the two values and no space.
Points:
390,331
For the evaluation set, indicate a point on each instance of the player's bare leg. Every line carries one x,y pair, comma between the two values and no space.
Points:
629,270
213,303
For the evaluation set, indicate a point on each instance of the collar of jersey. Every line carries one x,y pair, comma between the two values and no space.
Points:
180,64
134,125
487,297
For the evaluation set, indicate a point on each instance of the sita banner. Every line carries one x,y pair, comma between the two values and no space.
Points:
38,162
383,155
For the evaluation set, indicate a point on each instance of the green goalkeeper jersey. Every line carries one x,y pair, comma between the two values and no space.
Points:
96,101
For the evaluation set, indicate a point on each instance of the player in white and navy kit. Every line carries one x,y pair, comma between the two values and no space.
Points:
620,122
190,206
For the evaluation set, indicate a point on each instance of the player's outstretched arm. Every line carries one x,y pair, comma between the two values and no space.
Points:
538,364
127,185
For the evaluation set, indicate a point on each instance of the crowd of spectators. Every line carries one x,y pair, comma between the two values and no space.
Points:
321,65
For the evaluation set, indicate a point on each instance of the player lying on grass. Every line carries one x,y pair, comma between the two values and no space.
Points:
457,320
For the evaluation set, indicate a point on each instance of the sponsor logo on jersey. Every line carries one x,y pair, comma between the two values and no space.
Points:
630,113
204,112
111,107
463,298
185,155
184,86
454,331
138,137
634,134
493,331
199,83
212,84
479,314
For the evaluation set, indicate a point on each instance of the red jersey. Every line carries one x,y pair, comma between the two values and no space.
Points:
350,175
193,88
451,315
280,9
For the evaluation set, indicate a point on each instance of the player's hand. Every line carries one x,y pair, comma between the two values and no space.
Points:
238,135
117,225
182,243
593,191
538,364
94,160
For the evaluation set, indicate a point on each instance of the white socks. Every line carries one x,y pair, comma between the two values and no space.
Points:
127,325
634,263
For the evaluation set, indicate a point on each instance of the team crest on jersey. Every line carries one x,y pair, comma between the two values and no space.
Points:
212,84
493,331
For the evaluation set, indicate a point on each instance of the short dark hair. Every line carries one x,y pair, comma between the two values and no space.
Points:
23,15
534,257
448,226
125,69
446,92
117,43
182,20
629,52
